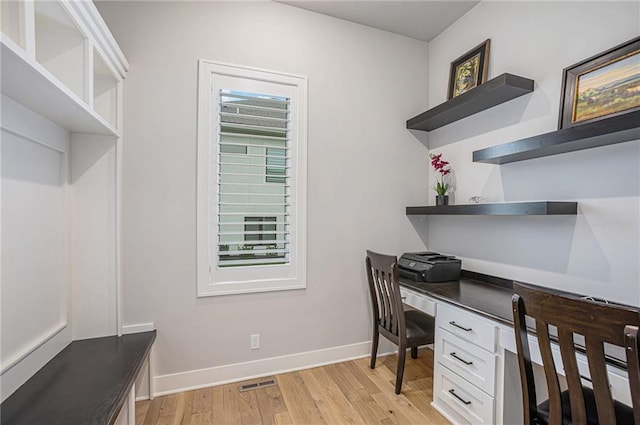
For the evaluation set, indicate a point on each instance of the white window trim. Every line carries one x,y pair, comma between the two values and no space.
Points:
206,199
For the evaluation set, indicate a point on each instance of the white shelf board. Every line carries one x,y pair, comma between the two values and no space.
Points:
29,83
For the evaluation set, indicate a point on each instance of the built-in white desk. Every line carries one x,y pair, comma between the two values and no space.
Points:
476,376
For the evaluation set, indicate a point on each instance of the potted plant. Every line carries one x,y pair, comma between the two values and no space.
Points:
441,166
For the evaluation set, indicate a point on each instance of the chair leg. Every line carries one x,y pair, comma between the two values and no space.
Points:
402,354
374,346
414,352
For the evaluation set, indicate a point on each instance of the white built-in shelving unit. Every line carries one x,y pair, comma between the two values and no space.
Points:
11,13
61,46
61,131
60,61
105,89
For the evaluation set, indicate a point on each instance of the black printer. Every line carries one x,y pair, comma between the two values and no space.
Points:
429,267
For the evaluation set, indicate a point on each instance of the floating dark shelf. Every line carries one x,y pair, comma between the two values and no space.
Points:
506,208
494,92
609,131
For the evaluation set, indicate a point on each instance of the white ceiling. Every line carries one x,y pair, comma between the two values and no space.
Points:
419,19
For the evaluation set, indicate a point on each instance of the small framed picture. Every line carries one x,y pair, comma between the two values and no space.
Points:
469,70
602,86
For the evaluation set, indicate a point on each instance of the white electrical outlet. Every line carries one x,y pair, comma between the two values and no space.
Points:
255,341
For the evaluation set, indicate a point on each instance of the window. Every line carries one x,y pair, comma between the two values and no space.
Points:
276,165
257,232
251,180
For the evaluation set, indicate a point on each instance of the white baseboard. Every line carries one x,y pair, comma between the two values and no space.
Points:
195,379
137,328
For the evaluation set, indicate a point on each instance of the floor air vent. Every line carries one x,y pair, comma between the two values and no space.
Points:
256,385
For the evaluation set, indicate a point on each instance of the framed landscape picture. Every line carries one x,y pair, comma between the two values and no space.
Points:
469,70
603,86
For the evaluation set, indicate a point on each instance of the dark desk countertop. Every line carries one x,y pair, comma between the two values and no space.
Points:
485,295
86,383
490,297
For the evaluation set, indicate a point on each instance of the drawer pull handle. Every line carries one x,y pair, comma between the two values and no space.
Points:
453,354
453,393
453,323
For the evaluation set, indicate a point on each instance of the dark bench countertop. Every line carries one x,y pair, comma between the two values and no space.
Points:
87,383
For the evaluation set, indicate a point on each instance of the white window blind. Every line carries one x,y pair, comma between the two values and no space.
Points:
251,211
253,174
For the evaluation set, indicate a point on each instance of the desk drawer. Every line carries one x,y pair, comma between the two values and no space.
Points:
467,326
418,301
472,363
463,398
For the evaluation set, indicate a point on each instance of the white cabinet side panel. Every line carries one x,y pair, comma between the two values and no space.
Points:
93,235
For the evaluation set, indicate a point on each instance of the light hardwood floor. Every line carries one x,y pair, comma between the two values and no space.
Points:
343,393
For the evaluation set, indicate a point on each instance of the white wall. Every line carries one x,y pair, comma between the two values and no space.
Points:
363,169
596,252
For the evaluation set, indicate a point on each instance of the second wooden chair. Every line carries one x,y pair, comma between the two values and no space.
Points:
406,329
599,324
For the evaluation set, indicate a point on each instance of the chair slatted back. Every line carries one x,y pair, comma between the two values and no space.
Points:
632,343
598,323
384,287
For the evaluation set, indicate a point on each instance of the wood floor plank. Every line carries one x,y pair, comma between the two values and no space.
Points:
181,409
202,418
422,401
381,376
414,413
394,412
345,381
142,408
417,368
363,378
202,400
345,410
424,384
357,394
165,420
275,397
154,412
231,404
348,393
249,410
169,404
283,418
270,403
331,411
298,400
367,407
188,405
172,409
217,403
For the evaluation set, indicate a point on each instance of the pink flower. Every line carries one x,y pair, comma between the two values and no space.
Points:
444,169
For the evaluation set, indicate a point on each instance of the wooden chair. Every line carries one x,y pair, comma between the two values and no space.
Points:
598,323
407,329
